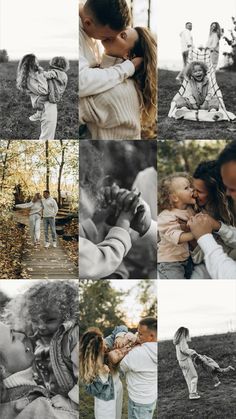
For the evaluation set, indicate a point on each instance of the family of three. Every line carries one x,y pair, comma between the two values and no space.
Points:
39,353
117,73
103,360
45,208
197,227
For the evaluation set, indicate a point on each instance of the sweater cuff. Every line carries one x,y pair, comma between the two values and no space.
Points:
207,243
129,68
122,235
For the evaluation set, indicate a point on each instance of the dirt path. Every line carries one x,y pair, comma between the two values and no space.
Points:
51,263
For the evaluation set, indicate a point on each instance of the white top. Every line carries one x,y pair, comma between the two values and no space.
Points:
35,207
140,367
183,351
50,207
95,80
186,40
218,264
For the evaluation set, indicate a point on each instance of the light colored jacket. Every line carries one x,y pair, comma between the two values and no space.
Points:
37,85
183,351
57,82
50,207
35,207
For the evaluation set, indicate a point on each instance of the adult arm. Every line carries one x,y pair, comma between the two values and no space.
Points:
184,349
26,205
218,264
98,80
228,235
55,207
37,84
101,260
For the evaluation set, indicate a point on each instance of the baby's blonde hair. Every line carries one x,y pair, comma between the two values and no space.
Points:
164,200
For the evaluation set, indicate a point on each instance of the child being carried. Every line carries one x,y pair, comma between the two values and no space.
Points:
57,81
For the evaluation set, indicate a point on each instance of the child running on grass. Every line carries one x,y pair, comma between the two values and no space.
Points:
176,202
211,366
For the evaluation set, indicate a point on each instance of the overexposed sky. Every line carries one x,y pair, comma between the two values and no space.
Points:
44,27
205,307
131,306
172,16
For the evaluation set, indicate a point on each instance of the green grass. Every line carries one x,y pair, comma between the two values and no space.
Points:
169,128
15,107
215,403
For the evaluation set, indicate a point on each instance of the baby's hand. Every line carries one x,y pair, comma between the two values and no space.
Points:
127,203
142,219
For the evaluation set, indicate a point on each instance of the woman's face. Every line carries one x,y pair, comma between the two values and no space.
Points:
16,348
201,192
122,44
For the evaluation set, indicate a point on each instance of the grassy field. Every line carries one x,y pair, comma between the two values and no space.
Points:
169,128
15,107
215,403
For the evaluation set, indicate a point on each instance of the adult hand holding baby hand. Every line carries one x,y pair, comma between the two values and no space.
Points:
142,219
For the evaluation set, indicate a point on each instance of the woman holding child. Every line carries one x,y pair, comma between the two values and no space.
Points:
45,89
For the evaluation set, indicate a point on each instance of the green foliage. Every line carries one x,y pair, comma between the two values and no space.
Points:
178,156
99,305
148,297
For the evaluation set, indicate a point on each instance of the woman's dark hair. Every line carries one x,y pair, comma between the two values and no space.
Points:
27,64
146,76
219,206
217,29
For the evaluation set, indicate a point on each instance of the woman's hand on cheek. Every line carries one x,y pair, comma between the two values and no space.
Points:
137,62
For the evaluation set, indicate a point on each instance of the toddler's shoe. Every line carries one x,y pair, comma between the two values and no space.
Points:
217,384
194,396
218,116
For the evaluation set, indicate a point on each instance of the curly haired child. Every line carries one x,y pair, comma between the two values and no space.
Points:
176,203
212,367
198,93
48,311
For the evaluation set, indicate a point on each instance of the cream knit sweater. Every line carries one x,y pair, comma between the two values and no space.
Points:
115,113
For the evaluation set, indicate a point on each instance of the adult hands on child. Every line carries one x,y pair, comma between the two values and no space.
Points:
199,225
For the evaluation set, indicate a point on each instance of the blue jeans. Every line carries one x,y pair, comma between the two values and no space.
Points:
49,221
140,411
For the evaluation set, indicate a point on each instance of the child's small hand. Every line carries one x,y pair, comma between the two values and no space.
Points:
128,204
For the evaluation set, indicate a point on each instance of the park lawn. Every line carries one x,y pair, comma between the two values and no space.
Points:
220,402
15,107
169,128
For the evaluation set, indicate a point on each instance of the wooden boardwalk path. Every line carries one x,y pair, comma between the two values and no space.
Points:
46,263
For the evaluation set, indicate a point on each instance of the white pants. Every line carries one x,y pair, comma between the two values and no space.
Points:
190,374
34,222
48,121
111,409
